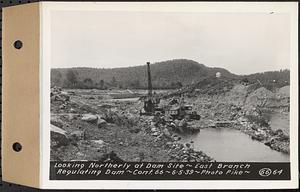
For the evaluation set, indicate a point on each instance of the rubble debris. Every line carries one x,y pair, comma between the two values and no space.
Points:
276,144
119,118
57,94
219,124
114,125
185,153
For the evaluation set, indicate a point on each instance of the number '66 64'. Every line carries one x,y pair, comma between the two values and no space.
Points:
265,172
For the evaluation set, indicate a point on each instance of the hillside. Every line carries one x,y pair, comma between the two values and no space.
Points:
166,74
269,79
169,74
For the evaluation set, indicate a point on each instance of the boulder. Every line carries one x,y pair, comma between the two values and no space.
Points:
270,142
101,123
110,157
135,130
65,95
80,155
77,135
175,137
182,123
258,136
90,118
57,122
58,136
154,129
98,143
167,133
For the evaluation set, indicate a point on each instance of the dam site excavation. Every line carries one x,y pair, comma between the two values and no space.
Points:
218,117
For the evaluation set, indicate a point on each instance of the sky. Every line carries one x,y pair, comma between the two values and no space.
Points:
242,43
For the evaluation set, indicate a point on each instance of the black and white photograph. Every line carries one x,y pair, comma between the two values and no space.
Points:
150,95
170,86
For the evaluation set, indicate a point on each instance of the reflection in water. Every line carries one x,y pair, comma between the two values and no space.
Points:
227,144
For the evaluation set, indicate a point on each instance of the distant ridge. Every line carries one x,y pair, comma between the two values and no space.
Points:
165,75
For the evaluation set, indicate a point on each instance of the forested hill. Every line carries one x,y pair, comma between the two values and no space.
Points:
166,74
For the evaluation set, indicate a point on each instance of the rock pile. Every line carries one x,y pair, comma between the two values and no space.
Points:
57,94
266,99
276,140
165,131
279,145
60,101
283,92
279,141
237,95
120,118
185,153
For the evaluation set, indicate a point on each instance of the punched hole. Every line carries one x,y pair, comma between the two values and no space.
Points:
17,147
18,44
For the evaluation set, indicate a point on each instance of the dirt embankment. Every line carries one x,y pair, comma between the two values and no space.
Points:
84,128
242,107
267,100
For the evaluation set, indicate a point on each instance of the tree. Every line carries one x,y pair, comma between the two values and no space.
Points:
245,80
135,84
88,83
71,79
56,78
179,84
101,84
173,85
114,81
